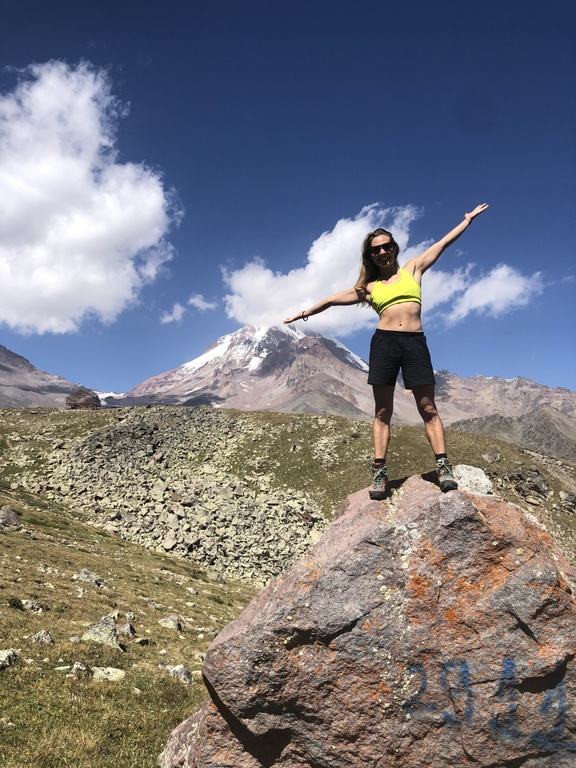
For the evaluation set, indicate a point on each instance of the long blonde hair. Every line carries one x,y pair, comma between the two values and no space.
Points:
368,270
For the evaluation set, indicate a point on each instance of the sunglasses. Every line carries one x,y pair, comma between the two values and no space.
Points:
388,248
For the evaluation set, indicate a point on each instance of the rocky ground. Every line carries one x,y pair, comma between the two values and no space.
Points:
244,494
162,478
180,515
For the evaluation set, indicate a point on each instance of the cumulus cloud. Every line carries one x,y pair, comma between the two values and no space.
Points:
175,315
199,302
259,296
80,232
502,290
178,311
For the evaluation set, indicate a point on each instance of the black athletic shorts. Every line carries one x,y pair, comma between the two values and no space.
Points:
392,351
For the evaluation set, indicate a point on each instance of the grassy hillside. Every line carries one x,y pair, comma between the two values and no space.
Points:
50,717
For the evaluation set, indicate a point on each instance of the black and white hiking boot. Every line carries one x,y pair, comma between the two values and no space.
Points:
379,482
445,476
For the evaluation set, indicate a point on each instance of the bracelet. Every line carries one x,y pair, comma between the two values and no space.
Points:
303,317
468,218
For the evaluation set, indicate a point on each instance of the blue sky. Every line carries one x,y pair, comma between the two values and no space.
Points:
172,171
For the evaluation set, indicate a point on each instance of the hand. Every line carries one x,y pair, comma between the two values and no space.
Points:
476,212
292,319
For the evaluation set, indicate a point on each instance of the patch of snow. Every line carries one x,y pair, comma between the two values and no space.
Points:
104,395
219,350
295,333
255,363
351,356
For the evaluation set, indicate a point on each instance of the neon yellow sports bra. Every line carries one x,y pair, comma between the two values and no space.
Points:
404,289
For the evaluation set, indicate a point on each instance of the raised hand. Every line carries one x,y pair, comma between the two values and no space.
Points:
476,212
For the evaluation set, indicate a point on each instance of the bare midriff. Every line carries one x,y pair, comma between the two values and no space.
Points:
401,317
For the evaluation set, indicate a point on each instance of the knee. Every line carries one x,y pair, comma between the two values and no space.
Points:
383,414
428,411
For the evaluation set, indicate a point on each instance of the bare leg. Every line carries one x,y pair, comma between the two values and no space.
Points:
424,397
383,408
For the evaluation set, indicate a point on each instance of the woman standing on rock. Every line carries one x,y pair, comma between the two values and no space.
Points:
399,342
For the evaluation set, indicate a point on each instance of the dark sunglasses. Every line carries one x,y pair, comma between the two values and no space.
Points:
388,247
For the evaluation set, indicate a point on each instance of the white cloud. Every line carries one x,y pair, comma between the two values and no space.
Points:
178,311
438,287
259,296
80,232
502,290
199,302
175,315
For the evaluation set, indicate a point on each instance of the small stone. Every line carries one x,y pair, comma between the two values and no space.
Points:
169,543
8,658
110,674
473,479
171,622
43,637
90,577
32,605
181,672
126,630
9,519
103,632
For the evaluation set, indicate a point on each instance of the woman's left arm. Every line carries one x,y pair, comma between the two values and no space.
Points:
419,264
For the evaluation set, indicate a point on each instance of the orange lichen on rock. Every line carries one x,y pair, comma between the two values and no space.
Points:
429,630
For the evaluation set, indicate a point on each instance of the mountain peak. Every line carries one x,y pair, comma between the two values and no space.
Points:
288,369
267,368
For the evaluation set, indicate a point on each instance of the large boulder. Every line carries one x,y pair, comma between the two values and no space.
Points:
427,631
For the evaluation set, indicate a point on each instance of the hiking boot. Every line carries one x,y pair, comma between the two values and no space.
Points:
445,476
379,482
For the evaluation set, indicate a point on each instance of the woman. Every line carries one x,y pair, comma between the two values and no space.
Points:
398,343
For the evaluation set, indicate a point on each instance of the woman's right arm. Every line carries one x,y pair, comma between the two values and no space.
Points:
343,298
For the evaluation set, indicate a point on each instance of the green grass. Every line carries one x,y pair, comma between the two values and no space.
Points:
48,720
81,723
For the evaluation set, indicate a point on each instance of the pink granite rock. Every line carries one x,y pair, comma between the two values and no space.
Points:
427,631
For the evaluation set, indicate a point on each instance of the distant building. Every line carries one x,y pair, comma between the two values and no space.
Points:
83,399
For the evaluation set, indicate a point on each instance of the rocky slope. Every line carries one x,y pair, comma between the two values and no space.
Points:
284,370
545,429
243,494
273,369
22,385
163,478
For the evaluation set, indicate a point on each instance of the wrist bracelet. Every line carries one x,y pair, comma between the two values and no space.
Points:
303,316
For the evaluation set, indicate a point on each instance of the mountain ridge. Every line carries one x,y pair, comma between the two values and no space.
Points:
22,385
285,370
544,429
295,362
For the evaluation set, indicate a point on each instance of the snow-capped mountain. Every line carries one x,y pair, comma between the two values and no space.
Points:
283,369
273,369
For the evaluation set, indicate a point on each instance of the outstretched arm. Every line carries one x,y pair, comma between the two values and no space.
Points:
419,264
344,298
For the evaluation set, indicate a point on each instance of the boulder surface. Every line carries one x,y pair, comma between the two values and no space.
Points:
427,631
